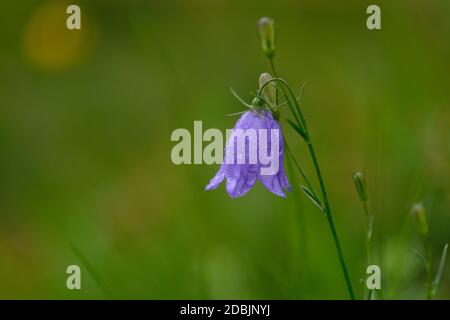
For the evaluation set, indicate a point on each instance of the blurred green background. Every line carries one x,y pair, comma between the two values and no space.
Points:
85,124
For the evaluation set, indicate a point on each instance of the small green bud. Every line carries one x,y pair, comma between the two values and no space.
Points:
420,219
269,92
267,34
360,184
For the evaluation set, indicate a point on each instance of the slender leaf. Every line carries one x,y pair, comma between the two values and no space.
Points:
313,197
297,165
298,129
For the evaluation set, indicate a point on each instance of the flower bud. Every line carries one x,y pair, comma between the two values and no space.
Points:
267,34
420,219
269,92
360,184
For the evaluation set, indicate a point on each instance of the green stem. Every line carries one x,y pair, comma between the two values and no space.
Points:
428,269
368,230
275,74
330,219
368,242
302,123
272,66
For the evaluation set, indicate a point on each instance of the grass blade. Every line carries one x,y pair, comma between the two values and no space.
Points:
91,270
437,280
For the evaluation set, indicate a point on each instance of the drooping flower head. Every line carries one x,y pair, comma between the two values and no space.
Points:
254,151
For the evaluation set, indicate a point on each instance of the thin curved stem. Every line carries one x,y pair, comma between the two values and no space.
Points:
239,98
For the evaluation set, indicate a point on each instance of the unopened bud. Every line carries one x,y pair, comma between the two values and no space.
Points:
420,219
267,34
360,184
269,92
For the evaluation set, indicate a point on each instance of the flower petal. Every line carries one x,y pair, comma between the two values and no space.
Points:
241,177
238,186
283,178
272,184
217,179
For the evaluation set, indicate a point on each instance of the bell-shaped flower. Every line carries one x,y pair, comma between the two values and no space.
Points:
254,151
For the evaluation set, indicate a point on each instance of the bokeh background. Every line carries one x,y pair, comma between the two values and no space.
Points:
85,170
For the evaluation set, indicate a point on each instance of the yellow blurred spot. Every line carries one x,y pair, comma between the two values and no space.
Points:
48,44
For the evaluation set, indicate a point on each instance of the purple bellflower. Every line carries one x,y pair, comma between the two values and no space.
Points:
237,168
